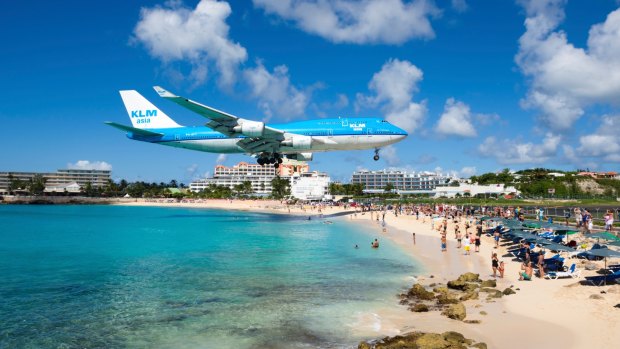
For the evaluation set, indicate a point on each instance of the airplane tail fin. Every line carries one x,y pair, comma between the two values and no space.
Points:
143,114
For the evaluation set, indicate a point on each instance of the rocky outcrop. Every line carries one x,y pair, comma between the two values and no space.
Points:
469,296
469,277
419,308
488,283
418,291
455,311
508,291
420,340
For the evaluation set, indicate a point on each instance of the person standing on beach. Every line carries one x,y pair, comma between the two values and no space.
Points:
459,237
496,236
501,269
494,263
444,243
541,264
477,242
466,245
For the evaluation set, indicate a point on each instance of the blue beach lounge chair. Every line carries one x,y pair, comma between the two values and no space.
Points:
572,272
603,279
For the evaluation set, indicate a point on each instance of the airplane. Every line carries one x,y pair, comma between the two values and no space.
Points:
226,133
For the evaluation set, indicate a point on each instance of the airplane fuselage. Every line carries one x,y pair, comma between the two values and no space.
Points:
327,135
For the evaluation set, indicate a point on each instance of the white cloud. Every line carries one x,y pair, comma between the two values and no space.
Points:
456,120
468,171
275,93
394,86
566,79
487,119
390,156
199,36
220,159
603,144
191,171
459,5
87,165
508,151
358,22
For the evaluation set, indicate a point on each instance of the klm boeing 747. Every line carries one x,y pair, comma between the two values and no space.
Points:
226,133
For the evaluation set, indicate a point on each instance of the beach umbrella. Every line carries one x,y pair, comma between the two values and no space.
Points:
615,243
557,247
605,236
603,252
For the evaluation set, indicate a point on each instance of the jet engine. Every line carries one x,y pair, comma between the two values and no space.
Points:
300,156
250,128
298,142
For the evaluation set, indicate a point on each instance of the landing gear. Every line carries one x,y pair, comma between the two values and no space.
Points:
376,157
274,159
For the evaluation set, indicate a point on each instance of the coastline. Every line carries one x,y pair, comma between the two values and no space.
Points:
543,313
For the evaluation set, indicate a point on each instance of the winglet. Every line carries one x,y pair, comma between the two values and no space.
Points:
164,93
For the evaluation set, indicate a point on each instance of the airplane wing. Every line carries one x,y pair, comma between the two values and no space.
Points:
260,138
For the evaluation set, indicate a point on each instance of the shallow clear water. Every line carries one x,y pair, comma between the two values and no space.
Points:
148,277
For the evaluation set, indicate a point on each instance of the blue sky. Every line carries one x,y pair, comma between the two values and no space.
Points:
480,85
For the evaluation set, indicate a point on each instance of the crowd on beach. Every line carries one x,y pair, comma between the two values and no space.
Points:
463,224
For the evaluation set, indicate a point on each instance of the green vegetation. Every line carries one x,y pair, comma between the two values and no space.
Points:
281,188
539,183
353,189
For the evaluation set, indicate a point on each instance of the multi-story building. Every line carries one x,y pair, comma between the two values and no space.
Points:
310,186
259,176
403,182
97,178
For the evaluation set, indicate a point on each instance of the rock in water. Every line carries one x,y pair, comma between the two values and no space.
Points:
420,340
418,291
419,308
455,311
432,341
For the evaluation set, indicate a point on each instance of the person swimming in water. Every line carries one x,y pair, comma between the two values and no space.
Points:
375,244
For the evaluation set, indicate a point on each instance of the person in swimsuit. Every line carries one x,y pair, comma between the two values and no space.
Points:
501,269
494,263
459,237
527,271
444,243
496,237
477,242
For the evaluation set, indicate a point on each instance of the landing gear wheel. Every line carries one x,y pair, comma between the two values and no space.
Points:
376,157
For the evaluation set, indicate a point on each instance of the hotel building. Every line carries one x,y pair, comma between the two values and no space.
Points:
403,182
97,178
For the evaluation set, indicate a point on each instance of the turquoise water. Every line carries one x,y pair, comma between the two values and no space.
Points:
148,277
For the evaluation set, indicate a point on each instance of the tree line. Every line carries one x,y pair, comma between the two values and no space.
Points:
140,189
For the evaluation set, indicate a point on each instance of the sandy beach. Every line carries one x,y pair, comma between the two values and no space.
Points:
542,314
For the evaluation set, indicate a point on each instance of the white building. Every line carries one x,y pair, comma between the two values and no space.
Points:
66,188
403,182
474,189
310,186
259,176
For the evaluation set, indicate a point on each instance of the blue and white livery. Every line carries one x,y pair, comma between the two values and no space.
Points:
226,133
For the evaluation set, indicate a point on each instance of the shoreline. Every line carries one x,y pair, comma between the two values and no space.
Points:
552,313
549,313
